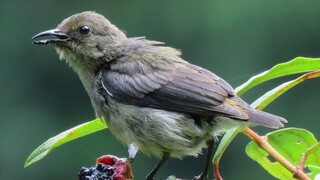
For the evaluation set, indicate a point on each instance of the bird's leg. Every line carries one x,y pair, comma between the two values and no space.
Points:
133,150
165,156
204,174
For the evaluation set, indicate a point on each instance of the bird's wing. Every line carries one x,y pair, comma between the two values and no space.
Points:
188,89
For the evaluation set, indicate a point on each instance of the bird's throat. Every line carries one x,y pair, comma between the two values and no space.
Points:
84,70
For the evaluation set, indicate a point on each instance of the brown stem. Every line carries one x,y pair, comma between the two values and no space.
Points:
263,143
302,162
216,171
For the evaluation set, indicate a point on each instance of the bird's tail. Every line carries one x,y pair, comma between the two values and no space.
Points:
258,117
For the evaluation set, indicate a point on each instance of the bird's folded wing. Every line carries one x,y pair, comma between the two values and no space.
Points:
188,89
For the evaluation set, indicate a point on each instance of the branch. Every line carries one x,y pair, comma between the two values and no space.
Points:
216,171
263,143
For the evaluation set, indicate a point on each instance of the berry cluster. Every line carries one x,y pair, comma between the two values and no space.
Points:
107,167
96,172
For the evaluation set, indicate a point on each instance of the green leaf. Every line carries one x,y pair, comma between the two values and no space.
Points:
64,137
171,178
297,65
271,95
224,143
315,148
291,143
315,172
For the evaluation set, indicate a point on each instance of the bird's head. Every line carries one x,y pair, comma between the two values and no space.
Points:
84,40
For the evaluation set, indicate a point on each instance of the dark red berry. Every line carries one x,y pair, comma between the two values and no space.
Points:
107,159
107,167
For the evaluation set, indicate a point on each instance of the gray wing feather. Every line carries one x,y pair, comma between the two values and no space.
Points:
186,88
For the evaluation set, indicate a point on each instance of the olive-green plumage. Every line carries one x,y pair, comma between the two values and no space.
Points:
152,99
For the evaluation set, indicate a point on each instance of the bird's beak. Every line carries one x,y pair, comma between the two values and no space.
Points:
61,37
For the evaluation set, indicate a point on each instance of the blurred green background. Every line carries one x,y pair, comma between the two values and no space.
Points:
41,96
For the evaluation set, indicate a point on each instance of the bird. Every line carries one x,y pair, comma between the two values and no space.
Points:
153,100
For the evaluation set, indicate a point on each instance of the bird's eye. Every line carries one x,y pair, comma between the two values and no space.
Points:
84,30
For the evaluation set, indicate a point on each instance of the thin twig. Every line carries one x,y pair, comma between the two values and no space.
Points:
263,143
302,162
216,171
